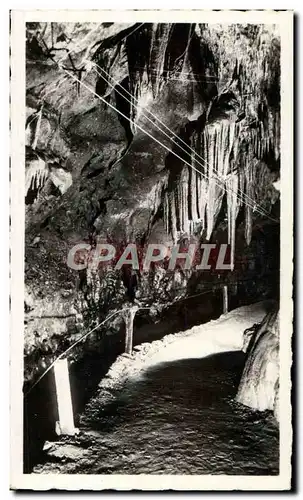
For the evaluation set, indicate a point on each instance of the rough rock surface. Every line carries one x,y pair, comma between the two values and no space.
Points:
92,172
259,386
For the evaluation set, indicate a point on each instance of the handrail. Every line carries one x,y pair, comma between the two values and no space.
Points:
109,317
75,343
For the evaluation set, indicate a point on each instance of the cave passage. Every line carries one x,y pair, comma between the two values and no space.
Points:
178,418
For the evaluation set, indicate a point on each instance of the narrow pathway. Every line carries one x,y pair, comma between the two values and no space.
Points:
176,413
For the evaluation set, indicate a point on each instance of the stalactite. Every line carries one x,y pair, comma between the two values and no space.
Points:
259,143
166,213
277,136
262,137
274,132
236,140
229,149
210,208
241,186
37,173
232,184
199,196
173,216
192,227
193,192
218,140
249,179
185,188
179,206
202,188
268,143
37,129
133,110
157,57
229,165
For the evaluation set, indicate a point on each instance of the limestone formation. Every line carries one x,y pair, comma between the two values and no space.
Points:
259,385
133,127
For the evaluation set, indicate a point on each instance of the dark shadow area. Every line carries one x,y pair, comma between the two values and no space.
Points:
180,316
40,415
185,411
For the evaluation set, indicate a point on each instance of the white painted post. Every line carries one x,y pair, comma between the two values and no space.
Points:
129,316
64,399
225,299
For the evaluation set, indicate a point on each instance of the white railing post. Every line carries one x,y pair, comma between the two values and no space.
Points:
129,315
65,425
225,299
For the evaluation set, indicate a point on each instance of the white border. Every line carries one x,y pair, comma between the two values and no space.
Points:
146,482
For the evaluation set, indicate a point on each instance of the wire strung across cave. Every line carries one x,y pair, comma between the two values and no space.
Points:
216,285
171,74
175,72
140,308
254,206
186,80
232,208
225,183
250,203
68,52
129,34
86,334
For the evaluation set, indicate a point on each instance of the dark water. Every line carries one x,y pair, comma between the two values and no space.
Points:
180,418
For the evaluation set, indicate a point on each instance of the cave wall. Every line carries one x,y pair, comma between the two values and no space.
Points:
259,385
208,98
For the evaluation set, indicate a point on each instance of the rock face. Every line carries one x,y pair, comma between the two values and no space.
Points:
135,132
259,385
